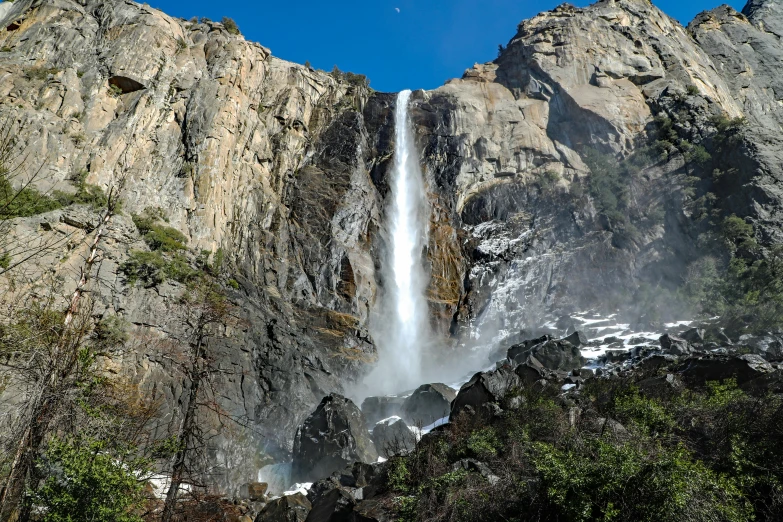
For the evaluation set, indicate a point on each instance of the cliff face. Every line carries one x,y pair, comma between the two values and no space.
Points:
260,158
506,148
284,169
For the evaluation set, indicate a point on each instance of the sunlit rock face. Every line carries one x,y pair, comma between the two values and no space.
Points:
505,148
288,171
263,159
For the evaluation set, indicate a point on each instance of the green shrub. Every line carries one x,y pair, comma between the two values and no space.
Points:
230,25
152,268
41,73
357,80
178,268
86,194
647,414
698,155
24,202
729,131
165,239
705,454
398,476
115,91
88,480
738,234
692,90
159,237
147,267
111,332
624,482
608,186
482,444
549,179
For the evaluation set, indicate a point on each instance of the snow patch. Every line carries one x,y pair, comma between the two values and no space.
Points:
430,427
302,488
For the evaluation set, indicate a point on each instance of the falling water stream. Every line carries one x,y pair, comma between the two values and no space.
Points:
401,330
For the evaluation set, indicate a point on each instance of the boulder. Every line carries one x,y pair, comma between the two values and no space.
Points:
577,339
484,388
519,352
552,354
530,372
253,491
694,335
336,505
352,478
392,436
376,409
427,404
655,362
558,355
675,345
332,437
774,351
717,335
770,348
743,368
290,508
584,373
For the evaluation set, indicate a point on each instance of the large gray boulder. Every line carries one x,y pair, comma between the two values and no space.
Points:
427,404
578,338
331,438
290,508
550,353
483,389
520,352
336,505
694,335
674,345
742,368
393,436
559,355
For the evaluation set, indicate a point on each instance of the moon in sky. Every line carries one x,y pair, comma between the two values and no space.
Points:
397,9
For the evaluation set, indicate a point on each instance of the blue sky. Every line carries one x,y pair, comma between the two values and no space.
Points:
420,46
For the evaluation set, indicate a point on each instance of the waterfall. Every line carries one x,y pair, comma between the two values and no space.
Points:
401,328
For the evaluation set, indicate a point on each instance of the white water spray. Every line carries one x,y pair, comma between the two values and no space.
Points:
401,329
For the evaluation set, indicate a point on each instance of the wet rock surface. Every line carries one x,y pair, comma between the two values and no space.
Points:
290,508
332,437
483,390
427,404
393,436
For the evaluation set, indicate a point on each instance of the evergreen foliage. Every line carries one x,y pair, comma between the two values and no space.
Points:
695,455
89,480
